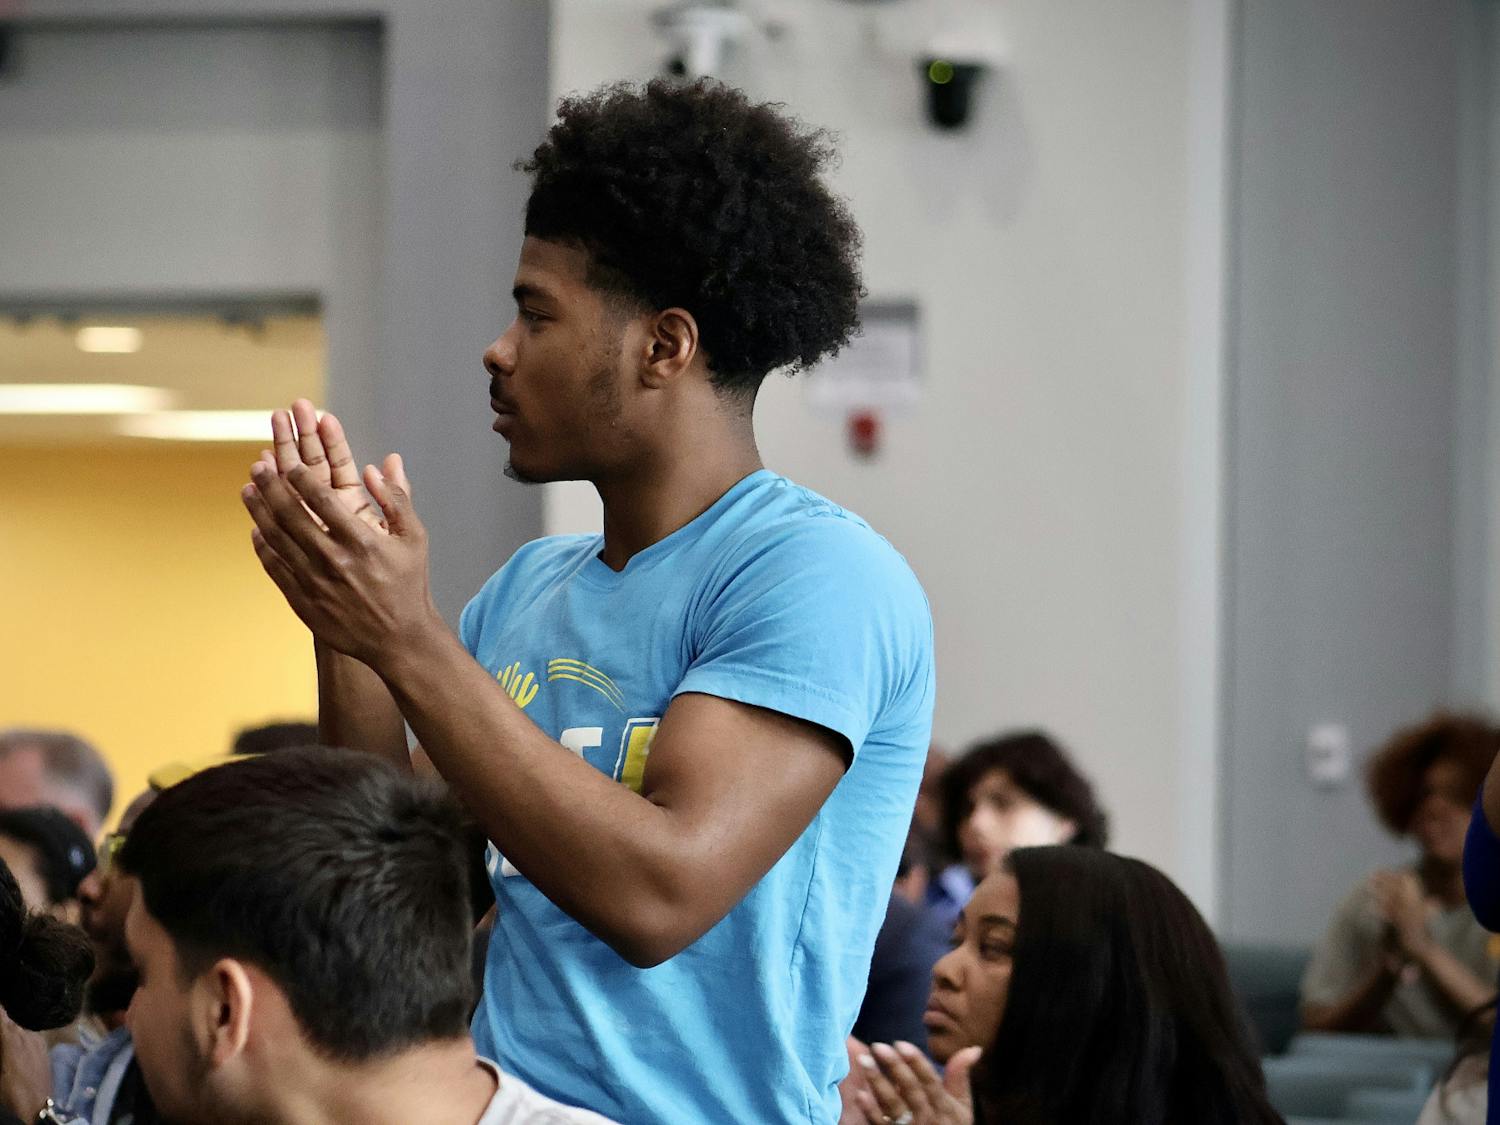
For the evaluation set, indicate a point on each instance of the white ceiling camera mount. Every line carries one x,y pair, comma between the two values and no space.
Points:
701,34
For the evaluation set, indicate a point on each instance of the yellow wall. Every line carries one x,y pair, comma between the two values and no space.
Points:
134,611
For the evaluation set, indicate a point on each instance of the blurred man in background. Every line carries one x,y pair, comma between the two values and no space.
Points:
53,767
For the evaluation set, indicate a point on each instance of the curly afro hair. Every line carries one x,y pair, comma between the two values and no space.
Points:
1038,766
1396,770
693,196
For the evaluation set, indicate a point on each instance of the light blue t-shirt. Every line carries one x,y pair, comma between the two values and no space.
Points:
774,597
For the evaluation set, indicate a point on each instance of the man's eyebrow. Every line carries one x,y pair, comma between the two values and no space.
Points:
996,920
527,291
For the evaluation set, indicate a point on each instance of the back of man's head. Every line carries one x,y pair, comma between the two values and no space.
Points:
53,767
338,878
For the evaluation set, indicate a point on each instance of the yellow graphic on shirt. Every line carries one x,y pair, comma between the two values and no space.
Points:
564,668
520,688
635,746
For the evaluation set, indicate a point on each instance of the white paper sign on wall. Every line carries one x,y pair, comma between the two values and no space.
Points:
880,370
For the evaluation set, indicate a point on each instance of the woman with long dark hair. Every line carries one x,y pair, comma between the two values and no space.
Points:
1092,992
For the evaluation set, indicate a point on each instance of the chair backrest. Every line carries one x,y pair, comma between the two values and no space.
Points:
1311,1086
1267,980
1398,1107
1437,1053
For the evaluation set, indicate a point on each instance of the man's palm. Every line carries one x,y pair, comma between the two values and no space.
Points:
319,443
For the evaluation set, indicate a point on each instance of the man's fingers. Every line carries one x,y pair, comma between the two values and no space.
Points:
271,532
394,469
342,524
344,473
394,500
284,439
288,513
275,566
309,442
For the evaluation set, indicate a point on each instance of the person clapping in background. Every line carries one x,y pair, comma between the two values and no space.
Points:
1403,954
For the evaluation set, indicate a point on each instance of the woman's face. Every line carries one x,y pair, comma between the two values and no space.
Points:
1003,817
970,983
1442,817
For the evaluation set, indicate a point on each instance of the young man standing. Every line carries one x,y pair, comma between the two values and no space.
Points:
694,741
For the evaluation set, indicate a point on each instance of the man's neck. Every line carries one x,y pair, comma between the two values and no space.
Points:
676,485
440,1084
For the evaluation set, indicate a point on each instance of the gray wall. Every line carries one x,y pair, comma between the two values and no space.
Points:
1344,400
1041,486
253,144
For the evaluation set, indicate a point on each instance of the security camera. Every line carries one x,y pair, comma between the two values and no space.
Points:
952,67
950,85
701,34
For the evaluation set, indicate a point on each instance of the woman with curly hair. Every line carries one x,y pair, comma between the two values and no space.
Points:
1017,790
694,740
1403,954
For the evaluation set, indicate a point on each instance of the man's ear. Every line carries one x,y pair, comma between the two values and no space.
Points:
223,1008
671,346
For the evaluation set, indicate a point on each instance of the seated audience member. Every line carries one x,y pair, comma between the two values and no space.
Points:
48,767
49,856
1403,954
301,926
927,852
1017,791
43,966
1083,988
270,737
910,941
98,1079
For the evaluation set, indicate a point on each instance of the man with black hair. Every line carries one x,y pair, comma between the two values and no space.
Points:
694,742
301,928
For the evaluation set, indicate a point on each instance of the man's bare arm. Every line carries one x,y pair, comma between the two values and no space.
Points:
728,787
727,790
356,710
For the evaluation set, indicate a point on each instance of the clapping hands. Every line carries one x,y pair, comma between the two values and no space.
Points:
354,571
902,1087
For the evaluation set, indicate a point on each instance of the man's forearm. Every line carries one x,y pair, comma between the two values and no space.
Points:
611,859
356,709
